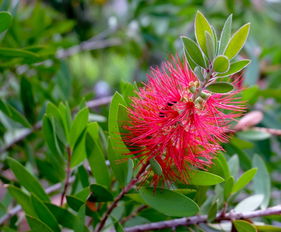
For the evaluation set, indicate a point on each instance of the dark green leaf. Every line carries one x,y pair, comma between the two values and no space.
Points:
212,213
37,225
244,226
27,99
27,180
201,25
100,193
80,219
23,199
169,202
44,214
5,20
79,124
244,179
19,53
237,41
220,87
79,150
193,51
95,155
204,178
63,216
261,181
228,187
12,113
225,34
221,64
74,202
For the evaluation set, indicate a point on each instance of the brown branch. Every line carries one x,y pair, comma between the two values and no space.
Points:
204,219
18,208
68,173
125,190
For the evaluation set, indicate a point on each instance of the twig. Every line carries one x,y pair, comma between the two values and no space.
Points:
21,137
114,204
268,130
133,214
90,104
68,173
203,219
87,46
18,208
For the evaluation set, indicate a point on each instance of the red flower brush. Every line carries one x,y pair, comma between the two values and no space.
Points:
177,126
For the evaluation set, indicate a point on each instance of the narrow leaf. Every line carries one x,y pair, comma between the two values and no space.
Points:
225,34
261,181
37,225
27,180
237,41
244,179
201,25
193,51
249,204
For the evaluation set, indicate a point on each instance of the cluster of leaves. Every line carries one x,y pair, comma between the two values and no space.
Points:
69,141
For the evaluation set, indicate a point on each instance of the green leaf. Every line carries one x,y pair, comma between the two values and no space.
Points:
253,135
193,51
95,155
79,124
155,166
63,216
235,67
117,226
210,45
79,150
44,214
249,204
268,228
244,179
221,64
37,225
220,166
198,73
201,25
23,199
19,53
27,180
27,99
116,146
244,226
225,34
169,203
204,178
13,114
237,41
261,181
50,136
212,213
73,202
220,87
228,187
80,219
100,193
191,64
5,20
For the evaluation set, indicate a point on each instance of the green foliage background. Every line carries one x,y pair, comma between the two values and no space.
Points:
57,56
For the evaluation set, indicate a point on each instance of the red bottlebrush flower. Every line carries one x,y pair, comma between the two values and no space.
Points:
169,124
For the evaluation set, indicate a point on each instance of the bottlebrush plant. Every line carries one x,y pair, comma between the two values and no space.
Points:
167,160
